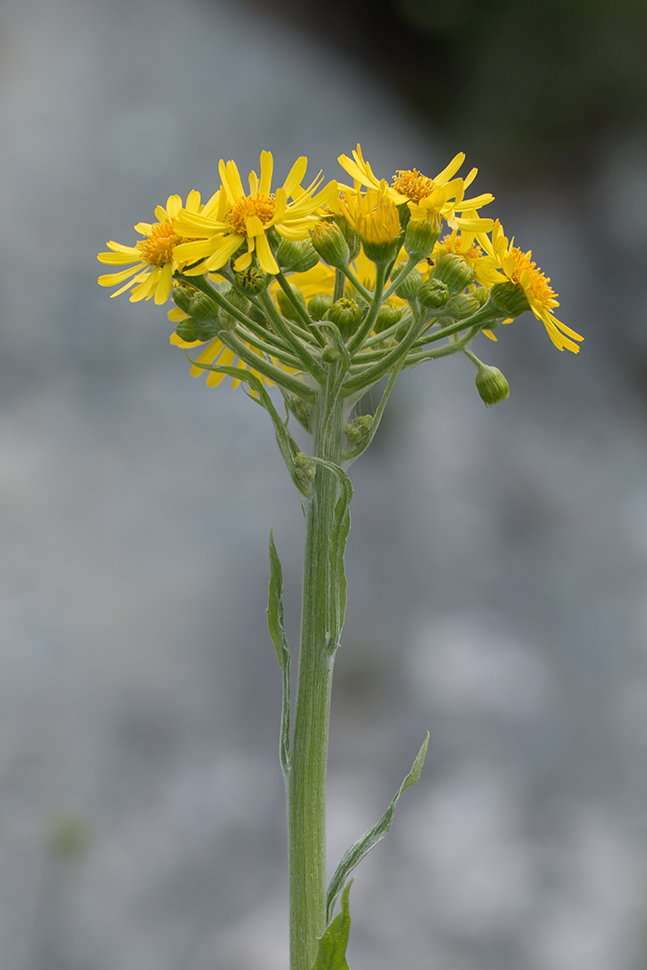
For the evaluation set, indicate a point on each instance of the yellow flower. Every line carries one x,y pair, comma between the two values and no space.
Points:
442,194
155,256
242,217
373,216
519,268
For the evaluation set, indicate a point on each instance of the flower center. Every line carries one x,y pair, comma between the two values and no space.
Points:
539,283
158,246
412,184
257,204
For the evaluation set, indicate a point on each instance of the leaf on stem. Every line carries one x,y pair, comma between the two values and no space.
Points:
276,626
356,852
331,954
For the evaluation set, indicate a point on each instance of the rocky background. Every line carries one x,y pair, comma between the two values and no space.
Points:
497,560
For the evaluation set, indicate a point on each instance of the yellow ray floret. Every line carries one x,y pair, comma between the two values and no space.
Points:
244,218
153,260
519,268
443,194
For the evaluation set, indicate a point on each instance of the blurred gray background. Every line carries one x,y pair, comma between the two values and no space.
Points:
497,560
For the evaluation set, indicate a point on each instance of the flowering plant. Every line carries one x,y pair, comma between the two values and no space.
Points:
322,292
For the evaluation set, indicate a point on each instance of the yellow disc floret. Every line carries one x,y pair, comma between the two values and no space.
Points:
159,244
413,184
262,206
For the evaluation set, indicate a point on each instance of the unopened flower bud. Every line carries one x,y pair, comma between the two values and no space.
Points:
491,385
251,280
509,298
306,469
408,289
182,294
387,315
301,411
461,306
346,314
351,236
192,330
359,432
202,307
286,307
421,236
319,305
454,271
433,293
295,255
329,241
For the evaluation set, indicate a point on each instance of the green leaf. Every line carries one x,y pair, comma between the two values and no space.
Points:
331,954
276,626
356,852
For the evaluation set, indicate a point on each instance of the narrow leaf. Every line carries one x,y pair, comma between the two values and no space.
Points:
276,626
331,954
356,852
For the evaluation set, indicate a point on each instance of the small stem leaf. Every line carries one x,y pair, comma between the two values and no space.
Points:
356,852
276,626
331,954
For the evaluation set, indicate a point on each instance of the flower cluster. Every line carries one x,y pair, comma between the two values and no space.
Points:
281,284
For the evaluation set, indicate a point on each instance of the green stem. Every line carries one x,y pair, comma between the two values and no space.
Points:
320,624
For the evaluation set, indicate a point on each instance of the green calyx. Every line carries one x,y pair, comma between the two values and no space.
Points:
454,271
491,385
510,298
319,305
329,241
345,314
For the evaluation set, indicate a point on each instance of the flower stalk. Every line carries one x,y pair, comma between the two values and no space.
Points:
413,297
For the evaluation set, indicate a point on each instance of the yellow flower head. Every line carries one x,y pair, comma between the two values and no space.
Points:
373,216
154,257
443,194
518,268
242,217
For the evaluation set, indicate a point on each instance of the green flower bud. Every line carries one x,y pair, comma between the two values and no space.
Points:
510,298
421,236
286,307
295,255
351,236
239,300
319,305
202,307
186,329
454,271
182,294
301,411
480,293
387,315
251,280
306,469
461,306
433,293
191,330
329,241
359,432
491,385
330,354
408,289
346,314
